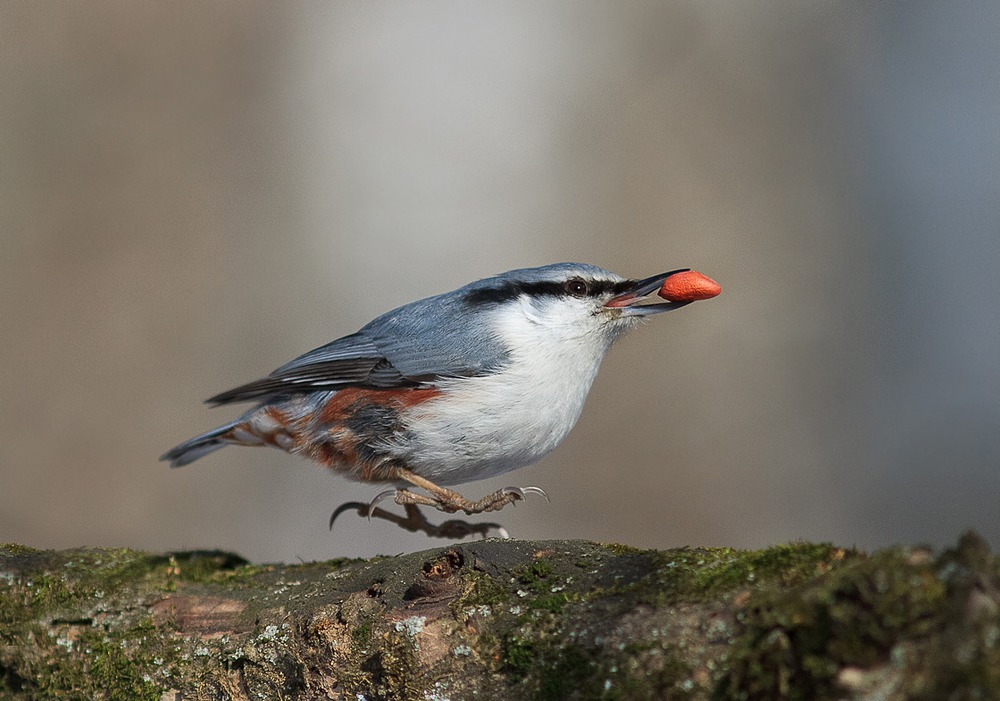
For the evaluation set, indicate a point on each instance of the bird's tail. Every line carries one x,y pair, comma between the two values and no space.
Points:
200,446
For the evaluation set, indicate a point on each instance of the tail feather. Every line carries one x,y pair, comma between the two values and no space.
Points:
199,446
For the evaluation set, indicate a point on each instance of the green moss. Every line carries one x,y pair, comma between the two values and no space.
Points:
361,635
551,592
704,574
657,674
534,577
553,603
394,672
566,669
12,549
116,671
971,676
550,621
551,671
204,566
480,590
539,650
46,584
795,641
518,655
43,583
65,609
84,662
620,549
532,574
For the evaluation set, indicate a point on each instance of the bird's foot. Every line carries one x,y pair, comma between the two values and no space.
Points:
450,501
500,498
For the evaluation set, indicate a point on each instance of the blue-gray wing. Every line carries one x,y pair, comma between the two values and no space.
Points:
347,361
412,345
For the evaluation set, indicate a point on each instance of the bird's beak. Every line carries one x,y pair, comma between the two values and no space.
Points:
631,302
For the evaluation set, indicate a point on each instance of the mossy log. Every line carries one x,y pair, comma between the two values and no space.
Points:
504,619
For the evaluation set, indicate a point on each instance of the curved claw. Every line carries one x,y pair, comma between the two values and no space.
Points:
359,506
536,490
378,497
521,492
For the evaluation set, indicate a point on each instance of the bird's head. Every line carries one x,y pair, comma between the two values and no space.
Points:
574,299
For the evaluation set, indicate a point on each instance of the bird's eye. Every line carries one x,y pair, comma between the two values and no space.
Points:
576,287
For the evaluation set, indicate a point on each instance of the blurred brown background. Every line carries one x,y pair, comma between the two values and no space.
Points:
191,194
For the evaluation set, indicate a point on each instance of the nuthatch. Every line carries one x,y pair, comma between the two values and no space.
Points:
454,388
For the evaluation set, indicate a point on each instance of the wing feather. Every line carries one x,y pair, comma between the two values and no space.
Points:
414,344
347,361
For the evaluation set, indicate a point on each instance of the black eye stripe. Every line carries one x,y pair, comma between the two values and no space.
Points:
506,291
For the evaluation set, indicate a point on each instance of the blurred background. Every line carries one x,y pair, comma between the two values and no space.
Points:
191,194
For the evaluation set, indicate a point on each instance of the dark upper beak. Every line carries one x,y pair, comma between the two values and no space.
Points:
631,302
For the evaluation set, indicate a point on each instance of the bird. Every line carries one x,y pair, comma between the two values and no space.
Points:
454,388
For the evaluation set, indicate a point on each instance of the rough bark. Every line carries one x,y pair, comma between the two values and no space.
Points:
504,619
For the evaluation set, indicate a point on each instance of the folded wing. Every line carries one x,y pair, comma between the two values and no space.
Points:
410,346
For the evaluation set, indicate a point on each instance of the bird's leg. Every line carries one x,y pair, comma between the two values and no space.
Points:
450,501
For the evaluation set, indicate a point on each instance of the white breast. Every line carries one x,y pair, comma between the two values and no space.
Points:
484,426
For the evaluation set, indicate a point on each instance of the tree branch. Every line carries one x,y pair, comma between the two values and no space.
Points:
504,619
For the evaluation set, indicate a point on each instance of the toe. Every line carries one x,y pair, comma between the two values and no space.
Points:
521,492
362,509
379,497
536,490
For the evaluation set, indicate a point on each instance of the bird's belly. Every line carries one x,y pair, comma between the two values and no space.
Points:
486,426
